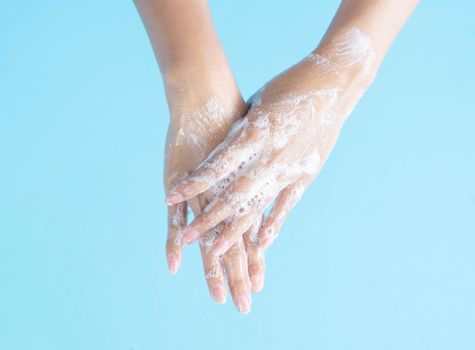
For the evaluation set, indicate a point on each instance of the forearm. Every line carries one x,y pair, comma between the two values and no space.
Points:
185,43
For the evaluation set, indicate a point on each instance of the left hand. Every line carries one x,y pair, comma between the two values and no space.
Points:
200,121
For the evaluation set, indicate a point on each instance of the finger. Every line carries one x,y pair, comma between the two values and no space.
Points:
212,267
233,230
284,203
235,151
217,211
235,261
176,224
241,197
255,256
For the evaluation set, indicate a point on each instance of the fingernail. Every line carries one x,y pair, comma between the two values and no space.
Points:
219,293
242,303
219,246
190,235
174,198
257,283
172,263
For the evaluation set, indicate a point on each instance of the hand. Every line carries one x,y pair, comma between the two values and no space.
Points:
200,121
282,143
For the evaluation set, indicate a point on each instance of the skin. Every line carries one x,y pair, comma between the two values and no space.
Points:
195,129
292,126
197,79
270,150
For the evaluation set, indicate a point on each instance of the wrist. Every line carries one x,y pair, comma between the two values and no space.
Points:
188,93
192,85
349,55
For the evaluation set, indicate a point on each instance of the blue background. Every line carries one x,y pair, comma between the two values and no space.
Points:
379,254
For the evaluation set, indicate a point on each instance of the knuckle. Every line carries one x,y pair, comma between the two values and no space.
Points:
232,233
212,273
173,242
238,284
256,269
269,230
253,132
234,253
203,226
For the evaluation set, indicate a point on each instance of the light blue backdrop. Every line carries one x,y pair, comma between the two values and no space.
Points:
379,254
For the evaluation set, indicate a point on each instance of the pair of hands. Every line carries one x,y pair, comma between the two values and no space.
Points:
228,161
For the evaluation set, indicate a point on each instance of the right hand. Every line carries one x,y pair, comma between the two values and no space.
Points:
280,146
